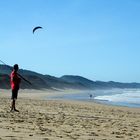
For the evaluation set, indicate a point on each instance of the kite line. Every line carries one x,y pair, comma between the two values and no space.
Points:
17,73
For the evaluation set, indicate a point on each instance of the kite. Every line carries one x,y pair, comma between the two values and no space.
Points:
38,27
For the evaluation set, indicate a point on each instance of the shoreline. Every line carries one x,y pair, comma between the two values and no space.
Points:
62,95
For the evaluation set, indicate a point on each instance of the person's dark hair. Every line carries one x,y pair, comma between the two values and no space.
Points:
15,67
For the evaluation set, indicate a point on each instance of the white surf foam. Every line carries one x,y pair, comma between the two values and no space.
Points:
127,96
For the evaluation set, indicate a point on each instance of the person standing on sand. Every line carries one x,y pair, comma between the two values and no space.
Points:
15,82
90,96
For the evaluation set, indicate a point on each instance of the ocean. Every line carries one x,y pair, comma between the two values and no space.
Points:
118,97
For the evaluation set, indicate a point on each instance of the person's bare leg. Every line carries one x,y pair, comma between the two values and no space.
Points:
12,105
15,106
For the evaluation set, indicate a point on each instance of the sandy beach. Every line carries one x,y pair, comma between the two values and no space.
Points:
40,119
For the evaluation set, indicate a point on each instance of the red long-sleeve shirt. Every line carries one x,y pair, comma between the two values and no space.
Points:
15,80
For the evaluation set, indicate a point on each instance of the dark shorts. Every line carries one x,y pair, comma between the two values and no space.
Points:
14,94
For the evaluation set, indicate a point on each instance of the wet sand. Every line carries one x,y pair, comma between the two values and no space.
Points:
65,120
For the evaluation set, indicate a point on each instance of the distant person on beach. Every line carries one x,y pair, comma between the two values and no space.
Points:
90,96
15,82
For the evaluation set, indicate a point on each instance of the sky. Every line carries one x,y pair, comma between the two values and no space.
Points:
96,39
